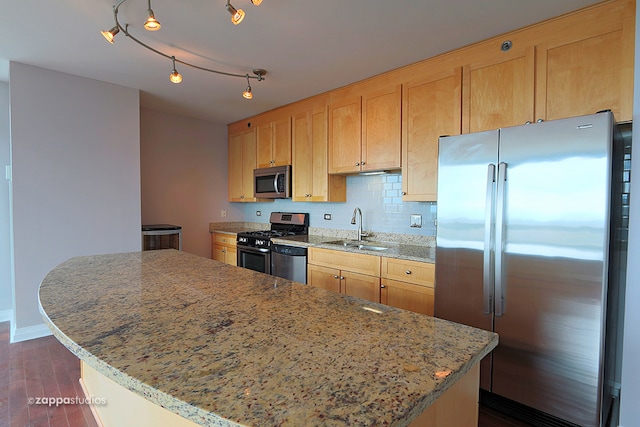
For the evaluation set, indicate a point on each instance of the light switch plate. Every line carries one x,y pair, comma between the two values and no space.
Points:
258,213
416,220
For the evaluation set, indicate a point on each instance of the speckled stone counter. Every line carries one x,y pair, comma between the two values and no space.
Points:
226,346
395,250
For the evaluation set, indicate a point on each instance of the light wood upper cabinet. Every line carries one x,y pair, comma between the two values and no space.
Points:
235,167
364,130
242,162
381,124
431,107
499,89
587,64
345,135
311,179
273,146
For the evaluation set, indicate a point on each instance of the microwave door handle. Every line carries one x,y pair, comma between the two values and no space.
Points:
275,183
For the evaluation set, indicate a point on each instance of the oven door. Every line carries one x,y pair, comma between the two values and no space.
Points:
256,259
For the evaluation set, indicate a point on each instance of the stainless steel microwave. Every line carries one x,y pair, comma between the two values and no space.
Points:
272,183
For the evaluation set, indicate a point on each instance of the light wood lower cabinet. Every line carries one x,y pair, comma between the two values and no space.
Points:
399,283
356,275
223,248
408,285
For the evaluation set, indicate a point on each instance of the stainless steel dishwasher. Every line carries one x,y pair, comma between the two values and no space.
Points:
289,262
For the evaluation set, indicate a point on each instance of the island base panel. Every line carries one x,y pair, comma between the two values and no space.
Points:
123,407
458,406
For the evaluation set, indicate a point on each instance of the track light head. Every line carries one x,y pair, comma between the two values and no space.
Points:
237,15
247,92
109,35
175,76
256,2
151,24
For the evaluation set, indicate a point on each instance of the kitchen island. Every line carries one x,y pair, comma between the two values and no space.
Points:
225,346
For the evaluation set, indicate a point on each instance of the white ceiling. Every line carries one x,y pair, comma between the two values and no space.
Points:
307,46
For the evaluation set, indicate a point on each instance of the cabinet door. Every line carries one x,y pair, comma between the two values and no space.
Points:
311,179
248,164
407,296
345,134
324,277
381,124
499,90
235,173
360,286
218,253
281,147
302,168
264,142
587,69
431,107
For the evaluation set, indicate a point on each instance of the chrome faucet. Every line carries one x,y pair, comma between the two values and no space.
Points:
361,234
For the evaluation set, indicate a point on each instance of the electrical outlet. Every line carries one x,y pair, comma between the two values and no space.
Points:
258,213
416,220
223,213
327,217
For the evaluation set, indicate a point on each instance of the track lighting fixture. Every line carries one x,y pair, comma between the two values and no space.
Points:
175,76
247,92
152,24
109,35
237,15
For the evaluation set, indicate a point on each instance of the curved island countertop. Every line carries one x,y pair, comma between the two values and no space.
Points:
226,346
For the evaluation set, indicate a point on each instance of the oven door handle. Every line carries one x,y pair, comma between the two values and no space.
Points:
251,249
275,182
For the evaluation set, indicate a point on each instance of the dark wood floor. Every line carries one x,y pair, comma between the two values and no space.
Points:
45,368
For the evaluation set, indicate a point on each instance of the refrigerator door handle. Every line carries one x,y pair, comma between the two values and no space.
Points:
488,271
499,243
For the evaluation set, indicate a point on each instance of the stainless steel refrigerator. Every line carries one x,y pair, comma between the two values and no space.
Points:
523,230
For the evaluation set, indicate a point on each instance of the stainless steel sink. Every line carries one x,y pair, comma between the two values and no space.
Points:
372,248
355,244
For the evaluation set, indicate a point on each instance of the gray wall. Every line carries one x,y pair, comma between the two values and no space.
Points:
76,177
6,298
184,176
630,394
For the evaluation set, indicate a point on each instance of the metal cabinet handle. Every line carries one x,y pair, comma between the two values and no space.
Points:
362,163
404,193
407,272
382,286
335,277
357,164
341,277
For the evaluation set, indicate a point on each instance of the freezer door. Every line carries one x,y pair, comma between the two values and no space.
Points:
463,290
555,240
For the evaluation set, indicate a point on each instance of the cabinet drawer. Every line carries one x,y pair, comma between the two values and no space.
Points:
407,296
419,273
224,239
348,261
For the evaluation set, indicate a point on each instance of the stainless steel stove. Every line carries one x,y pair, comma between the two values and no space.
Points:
254,247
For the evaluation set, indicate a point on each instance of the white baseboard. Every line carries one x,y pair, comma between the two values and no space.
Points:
6,315
29,333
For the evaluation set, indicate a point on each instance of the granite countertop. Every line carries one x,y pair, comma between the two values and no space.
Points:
395,250
227,346
409,247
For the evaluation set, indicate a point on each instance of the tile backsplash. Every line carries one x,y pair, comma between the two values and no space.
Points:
378,197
